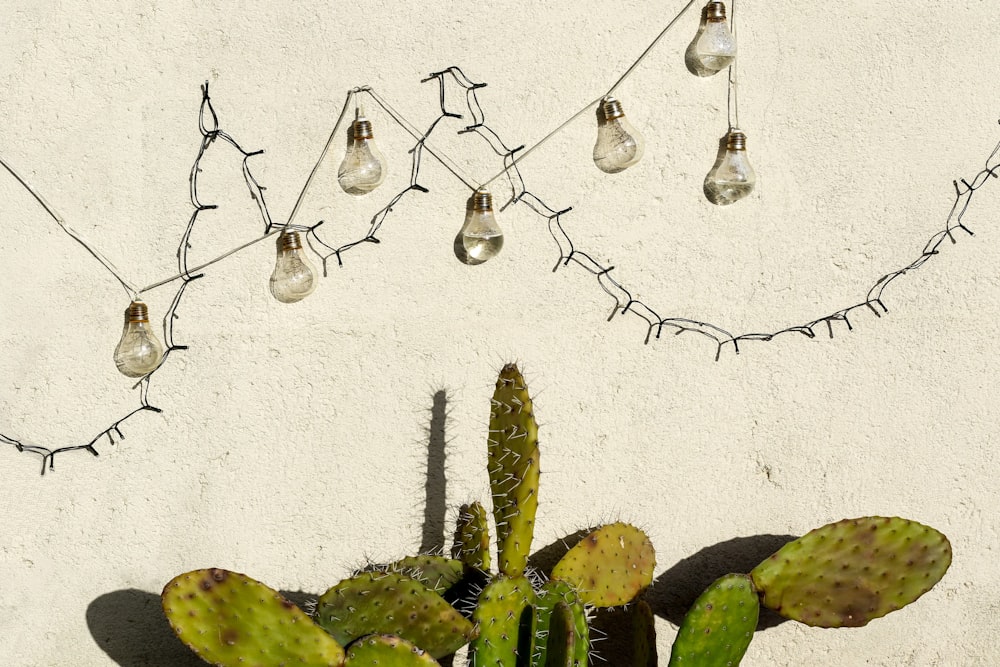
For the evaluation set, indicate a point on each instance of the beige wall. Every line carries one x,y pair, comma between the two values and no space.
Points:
293,438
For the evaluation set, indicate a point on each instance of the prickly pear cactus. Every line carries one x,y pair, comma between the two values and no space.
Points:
472,537
505,623
561,639
552,594
226,616
513,469
386,651
643,636
850,572
435,572
390,603
610,566
719,626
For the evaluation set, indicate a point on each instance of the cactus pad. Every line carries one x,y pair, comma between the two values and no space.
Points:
504,620
472,537
719,626
378,603
552,594
850,572
387,651
610,566
231,620
561,639
643,636
513,468
435,572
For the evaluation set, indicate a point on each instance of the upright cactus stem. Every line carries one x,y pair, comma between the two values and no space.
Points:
512,449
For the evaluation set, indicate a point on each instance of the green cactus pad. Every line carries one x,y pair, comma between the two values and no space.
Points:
435,572
554,593
504,620
850,572
561,639
643,636
719,626
513,469
610,566
380,603
231,620
472,537
386,651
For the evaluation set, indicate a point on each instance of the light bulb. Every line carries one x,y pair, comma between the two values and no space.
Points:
619,145
363,168
714,46
139,352
294,276
481,235
732,178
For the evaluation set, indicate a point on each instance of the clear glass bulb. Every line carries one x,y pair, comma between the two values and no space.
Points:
619,145
294,276
139,351
482,238
714,46
732,178
363,168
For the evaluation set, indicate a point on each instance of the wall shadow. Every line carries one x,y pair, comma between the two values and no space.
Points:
674,591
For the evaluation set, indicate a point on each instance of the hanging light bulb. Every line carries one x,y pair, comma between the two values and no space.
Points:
363,168
619,145
294,276
139,352
714,46
482,238
732,178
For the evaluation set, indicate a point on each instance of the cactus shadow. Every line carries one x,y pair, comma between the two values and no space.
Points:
674,591
432,538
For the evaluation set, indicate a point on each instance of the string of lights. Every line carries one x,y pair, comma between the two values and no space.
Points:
618,147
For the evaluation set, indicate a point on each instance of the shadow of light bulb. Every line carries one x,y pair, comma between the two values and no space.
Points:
619,145
139,351
714,46
363,168
480,238
731,178
294,276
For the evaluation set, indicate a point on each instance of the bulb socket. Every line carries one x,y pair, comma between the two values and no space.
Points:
289,241
736,141
715,12
363,129
137,312
612,109
482,201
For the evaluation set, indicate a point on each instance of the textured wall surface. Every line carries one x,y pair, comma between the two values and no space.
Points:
294,438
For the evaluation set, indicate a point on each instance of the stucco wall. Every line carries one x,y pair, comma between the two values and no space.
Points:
294,439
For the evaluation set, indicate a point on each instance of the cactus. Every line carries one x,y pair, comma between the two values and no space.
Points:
472,537
850,572
846,573
718,628
224,616
513,468
386,651
390,603
504,618
609,567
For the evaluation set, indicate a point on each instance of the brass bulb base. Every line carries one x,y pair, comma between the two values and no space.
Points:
137,312
289,241
482,200
715,12
612,108
736,141
363,129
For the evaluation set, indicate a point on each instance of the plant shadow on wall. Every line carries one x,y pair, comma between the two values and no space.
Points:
533,610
